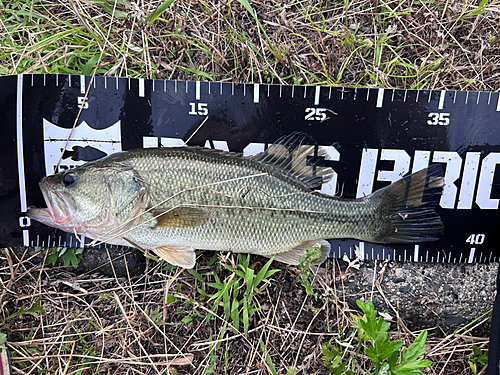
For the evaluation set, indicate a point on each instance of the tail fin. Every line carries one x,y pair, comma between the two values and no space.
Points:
407,208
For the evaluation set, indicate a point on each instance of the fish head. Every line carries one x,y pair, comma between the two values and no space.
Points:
89,199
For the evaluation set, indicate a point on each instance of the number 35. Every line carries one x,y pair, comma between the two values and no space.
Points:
438,118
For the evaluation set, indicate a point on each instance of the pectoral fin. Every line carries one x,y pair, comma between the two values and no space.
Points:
182,256
180,217
292,256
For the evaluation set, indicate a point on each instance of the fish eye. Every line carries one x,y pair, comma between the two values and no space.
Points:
69,179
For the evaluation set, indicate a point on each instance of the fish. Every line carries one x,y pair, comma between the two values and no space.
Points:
173,201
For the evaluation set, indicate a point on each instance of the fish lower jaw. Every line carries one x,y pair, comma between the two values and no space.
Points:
45,216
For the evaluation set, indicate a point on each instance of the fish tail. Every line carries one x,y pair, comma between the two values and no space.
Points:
407,208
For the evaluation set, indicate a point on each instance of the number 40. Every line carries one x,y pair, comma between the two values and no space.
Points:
475,239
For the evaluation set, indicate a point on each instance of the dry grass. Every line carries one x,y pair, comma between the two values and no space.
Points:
95,324
137,325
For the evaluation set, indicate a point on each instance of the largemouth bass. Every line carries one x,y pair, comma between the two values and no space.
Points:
174,200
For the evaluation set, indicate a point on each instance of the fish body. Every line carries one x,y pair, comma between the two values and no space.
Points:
175,200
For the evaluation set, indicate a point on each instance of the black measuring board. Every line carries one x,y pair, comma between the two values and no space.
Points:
373,137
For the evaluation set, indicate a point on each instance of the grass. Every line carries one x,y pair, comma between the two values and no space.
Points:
221,319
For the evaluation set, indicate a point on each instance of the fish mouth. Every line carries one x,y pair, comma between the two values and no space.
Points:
59,207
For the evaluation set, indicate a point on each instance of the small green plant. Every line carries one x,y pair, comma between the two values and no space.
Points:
332,358
35,309
70,256
387,356
477,360
237,291
312,254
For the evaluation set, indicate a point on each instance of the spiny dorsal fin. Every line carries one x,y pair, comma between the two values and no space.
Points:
179,217
297,154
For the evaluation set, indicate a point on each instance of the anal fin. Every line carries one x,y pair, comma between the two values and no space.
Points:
293,256
182,256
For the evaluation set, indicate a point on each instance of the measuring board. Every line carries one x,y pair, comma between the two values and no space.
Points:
373,137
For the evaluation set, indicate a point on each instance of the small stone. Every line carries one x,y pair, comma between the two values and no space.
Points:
404,289
399,280
454,274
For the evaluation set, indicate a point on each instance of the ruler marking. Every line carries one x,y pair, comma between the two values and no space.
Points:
293,90
405,256
20,152
82,84
175,85
128,83
466,97
460,260
268,88
280,90
478,95
197,95
489,98
244,89
69,80
105,83
187,86
404,98
316,95
498,103
430,94
209,88
330,92
373,254
441,99
438,257
44,76
232,88
361,250
305,91
355,93
415,252
392,96
221,88
454,97
141,87
164,85
427,256
418,94
32,80
432,259
116,82
256,92
57,79
471,254
153,83
368,94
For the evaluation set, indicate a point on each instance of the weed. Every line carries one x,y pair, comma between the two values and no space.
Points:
312,254
235,294
69,255
477,360
386,355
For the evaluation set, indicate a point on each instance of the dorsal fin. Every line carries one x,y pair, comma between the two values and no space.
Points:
298,154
